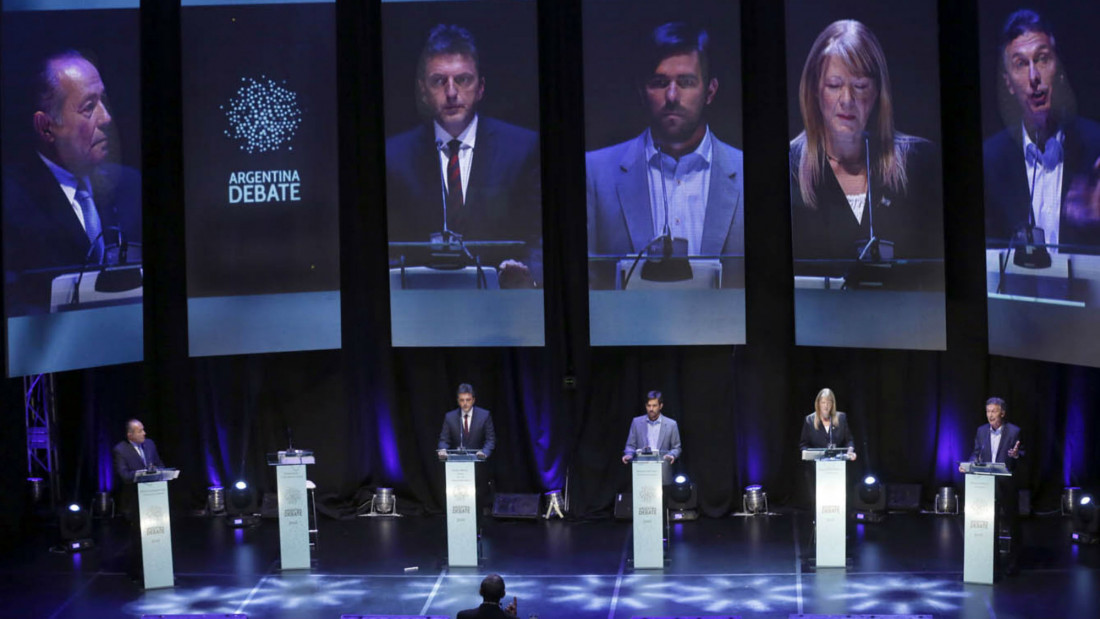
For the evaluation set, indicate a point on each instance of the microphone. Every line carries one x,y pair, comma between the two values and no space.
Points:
673,265
446,234
1030,237
874,249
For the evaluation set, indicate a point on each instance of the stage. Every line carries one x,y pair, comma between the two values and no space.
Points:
756,566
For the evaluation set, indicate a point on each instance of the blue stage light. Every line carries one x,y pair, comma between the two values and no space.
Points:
73,507
240,485
680,479
869,480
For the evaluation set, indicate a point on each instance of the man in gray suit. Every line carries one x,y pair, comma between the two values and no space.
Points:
676,163
653,432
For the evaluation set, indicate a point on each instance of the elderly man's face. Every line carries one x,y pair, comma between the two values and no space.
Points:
78,135
995,415
676,95
136,434
1030,68
451,88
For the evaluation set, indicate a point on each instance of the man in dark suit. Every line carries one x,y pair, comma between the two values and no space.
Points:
467,426
65,206
1042,169
999,441
136,453
653,432
492,592
676,160
482,172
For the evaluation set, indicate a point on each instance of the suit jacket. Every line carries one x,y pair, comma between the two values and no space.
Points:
126,463
818,437
982,452
668,441
620,218
41,230
487,610
912,220
1007,194
503,198
482,437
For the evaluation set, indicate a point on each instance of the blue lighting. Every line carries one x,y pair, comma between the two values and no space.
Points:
1085,500
680,479
240,485
869,480
73,507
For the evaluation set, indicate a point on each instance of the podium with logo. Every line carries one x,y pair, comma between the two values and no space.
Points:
979,521
649,523
461,473
290,476
155,521
830,517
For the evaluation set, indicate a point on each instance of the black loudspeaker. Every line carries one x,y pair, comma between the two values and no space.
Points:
903,497
624,506
516,506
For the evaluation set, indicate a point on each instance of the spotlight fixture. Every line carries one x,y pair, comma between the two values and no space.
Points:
1086,521
76,528
870,500
755,500
554,504
215,500
1070,494
240,506
947,501
683,502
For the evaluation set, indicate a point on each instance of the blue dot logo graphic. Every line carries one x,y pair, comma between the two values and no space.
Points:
263,116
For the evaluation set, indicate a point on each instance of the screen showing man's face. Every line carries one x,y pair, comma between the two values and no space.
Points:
676,95
78,136
451,88
1030,68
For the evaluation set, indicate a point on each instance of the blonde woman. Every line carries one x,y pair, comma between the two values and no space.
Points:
826,426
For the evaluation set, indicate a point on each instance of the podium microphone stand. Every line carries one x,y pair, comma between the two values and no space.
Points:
461,474
646,472
155,521
979,530
830,521
290,475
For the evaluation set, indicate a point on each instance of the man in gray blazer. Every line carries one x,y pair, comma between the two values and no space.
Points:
676,161
653,432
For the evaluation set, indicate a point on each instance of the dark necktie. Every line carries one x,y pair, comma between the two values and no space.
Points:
465,426
92,226
454,179
141,452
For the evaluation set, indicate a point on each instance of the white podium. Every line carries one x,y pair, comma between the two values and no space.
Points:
649,549
461,508
156,527
831,516
290,476
979,521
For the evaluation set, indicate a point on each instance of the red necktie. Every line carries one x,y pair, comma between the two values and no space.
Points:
466,425
454,178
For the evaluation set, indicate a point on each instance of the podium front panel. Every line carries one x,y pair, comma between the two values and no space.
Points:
979,534
461,514
648,515
832,511
156,534
293,517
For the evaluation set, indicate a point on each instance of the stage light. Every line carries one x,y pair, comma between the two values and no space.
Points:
870,500
1086,522
240,508
683,503
554,504
1070,494
755,500
76,529
103,506
947,502
215,500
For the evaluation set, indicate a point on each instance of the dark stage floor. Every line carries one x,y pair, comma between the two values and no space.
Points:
747,566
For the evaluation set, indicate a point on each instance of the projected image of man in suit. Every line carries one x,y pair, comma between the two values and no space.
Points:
67,203
677,160
483,173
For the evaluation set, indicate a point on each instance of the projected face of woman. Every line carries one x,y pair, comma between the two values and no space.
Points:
824,408
846,100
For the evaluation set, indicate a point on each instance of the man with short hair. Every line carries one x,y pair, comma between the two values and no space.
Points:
492,592
1041,170
67,204
654,433
136,453
676,160
999,441
482,172
467,427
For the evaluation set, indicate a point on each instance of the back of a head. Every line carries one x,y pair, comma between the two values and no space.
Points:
492,588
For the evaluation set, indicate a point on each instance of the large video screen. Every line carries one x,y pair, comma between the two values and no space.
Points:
71,122
463,173
1041,163
260,176
866,174
664,172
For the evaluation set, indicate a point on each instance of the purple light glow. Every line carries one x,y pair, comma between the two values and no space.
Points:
539,429
1073,455
387,444
951,443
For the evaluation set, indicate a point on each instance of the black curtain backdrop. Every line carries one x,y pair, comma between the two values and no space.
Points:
372,412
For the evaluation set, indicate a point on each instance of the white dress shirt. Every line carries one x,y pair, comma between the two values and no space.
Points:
995,441
1044,177
69,184
468,137
687,185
